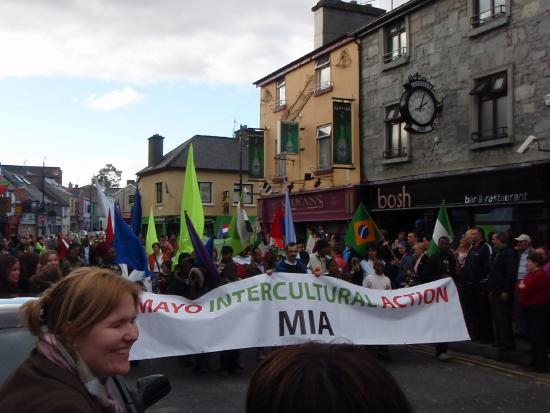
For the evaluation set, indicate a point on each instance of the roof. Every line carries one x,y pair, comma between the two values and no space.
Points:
19,181
53,172
216,153
397,13
305,59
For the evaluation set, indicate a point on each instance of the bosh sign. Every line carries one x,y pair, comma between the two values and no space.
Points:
394,200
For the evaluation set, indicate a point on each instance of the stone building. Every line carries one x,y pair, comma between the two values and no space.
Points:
489,63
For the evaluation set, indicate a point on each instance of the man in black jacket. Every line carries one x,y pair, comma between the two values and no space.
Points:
477,311
502,280
441,264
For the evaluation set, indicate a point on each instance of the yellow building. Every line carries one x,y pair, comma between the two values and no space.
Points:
217,161
310,112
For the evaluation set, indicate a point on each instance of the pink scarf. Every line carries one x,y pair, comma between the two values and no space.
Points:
68,359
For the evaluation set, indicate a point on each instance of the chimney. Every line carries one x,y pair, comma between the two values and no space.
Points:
155,149
334,18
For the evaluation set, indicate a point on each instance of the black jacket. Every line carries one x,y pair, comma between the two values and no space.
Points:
503,271
477,265
438,266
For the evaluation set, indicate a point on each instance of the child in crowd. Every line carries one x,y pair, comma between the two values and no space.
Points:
377,281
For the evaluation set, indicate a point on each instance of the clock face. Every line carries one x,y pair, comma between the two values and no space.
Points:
421,106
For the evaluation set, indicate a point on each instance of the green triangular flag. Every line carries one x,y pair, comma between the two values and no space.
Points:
151,234
442,228
362,231
192,204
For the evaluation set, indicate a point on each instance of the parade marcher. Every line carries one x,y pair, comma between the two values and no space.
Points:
318,259
337,251
86,327
337,272
404,264
303,255
367,263
417,269
40,244
229,359
257,265
357,274
157,259
290,263
523,249
73,260
477,312
106,257
534,297
377,280
320,378
47,272
440,264
501,285
9,276
166,246
28,263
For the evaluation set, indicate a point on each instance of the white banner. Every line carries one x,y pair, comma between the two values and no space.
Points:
283,309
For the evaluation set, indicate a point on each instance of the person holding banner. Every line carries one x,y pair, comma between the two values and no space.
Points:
319,258
440,264
291,263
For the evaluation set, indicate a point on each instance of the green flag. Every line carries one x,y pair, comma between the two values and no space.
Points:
362,231
191,202
151,234
442,228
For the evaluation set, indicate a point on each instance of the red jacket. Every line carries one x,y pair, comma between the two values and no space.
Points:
535,290
165,258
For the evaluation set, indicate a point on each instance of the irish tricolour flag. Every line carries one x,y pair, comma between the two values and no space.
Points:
442,228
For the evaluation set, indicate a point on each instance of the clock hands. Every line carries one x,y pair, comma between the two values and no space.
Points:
422,104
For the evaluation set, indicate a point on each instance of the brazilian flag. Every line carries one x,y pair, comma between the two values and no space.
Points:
362,231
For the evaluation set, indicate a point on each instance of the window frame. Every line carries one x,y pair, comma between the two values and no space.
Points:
320,139
400,28
280,98
392,118
496,20
322,65
502,139
210,202
158,192
236,194
485,91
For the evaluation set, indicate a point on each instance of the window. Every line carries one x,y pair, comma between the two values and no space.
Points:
248,190
280,93
324,160
322,74
396,41
205,189
491,105
281,165
396,135
158,190
486,10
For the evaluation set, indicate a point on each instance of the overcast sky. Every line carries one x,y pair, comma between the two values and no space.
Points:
86,82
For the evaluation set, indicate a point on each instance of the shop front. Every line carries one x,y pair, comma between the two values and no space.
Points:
329,209
513,200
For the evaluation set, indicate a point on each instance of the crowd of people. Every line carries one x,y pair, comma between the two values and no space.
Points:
503,282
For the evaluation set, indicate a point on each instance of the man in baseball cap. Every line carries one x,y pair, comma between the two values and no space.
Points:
523,249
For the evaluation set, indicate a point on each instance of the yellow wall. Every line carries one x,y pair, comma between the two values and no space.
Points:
315,111
221,181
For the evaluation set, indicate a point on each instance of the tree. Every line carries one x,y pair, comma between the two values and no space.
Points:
108,176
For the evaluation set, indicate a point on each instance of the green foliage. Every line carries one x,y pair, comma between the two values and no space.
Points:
108,176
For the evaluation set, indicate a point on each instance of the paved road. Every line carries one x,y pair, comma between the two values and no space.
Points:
465,384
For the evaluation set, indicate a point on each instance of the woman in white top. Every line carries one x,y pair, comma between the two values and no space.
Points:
377,281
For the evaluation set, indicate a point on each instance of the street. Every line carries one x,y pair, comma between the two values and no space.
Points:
464,384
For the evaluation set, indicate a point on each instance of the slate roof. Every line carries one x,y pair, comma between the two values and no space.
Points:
217,153
33,192
53,172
